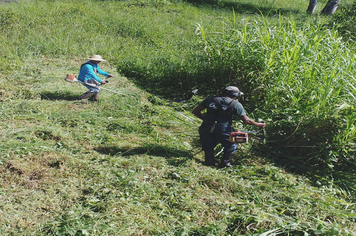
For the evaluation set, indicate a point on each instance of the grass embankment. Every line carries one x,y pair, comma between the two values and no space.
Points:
130,165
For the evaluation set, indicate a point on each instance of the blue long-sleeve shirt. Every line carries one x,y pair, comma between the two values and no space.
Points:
89,70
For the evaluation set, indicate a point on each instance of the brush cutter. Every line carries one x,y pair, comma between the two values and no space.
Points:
238,137
242,136
73,78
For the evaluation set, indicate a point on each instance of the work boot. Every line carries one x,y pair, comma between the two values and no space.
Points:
209,158
95,97
226,162
85,95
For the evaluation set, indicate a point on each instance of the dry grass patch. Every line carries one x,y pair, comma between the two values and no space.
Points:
32,171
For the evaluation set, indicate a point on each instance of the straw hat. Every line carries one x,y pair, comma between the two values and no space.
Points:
96,58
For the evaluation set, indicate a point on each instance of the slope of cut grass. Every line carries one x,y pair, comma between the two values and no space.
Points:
131,164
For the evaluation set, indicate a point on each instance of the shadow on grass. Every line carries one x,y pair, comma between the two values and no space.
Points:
243,8
319,175
173,155
59,96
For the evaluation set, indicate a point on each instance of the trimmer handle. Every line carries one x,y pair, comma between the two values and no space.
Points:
261,129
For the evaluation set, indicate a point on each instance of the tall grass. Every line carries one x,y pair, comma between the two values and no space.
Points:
301,76
297,74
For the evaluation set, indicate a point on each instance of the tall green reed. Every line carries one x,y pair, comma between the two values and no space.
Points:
298,73
294,74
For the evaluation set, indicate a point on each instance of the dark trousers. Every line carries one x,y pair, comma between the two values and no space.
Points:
210,138
94,96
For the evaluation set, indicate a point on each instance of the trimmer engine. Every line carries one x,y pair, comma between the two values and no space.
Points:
238,137
71,78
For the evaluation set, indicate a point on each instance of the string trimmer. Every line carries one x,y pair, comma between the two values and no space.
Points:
242,136
73,79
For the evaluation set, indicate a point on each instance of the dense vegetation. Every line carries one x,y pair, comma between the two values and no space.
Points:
343,20
130,164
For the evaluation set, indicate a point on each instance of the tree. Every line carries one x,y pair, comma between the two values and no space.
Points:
329,8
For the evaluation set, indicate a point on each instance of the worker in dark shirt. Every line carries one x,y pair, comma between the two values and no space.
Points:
217,124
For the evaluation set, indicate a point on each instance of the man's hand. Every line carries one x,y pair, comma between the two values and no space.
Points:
110,75
261,125
103,82
247,120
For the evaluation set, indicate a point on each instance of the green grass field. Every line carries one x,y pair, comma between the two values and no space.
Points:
131,164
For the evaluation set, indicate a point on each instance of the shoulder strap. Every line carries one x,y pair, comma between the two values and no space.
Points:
218,104
86,63
228,109
231,105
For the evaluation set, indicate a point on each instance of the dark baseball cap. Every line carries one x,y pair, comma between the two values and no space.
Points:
233,91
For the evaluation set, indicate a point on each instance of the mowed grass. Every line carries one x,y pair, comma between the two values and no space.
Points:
131,164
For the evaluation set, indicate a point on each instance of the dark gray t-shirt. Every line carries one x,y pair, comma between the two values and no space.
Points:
213,115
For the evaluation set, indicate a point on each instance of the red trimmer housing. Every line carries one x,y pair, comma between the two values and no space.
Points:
238,137
71,78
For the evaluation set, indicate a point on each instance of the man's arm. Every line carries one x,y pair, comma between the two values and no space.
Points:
248,121
101,71
197,112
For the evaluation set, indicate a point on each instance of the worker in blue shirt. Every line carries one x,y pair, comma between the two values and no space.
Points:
89,78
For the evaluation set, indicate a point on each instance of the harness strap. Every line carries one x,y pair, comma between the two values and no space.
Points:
87,63
228,109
